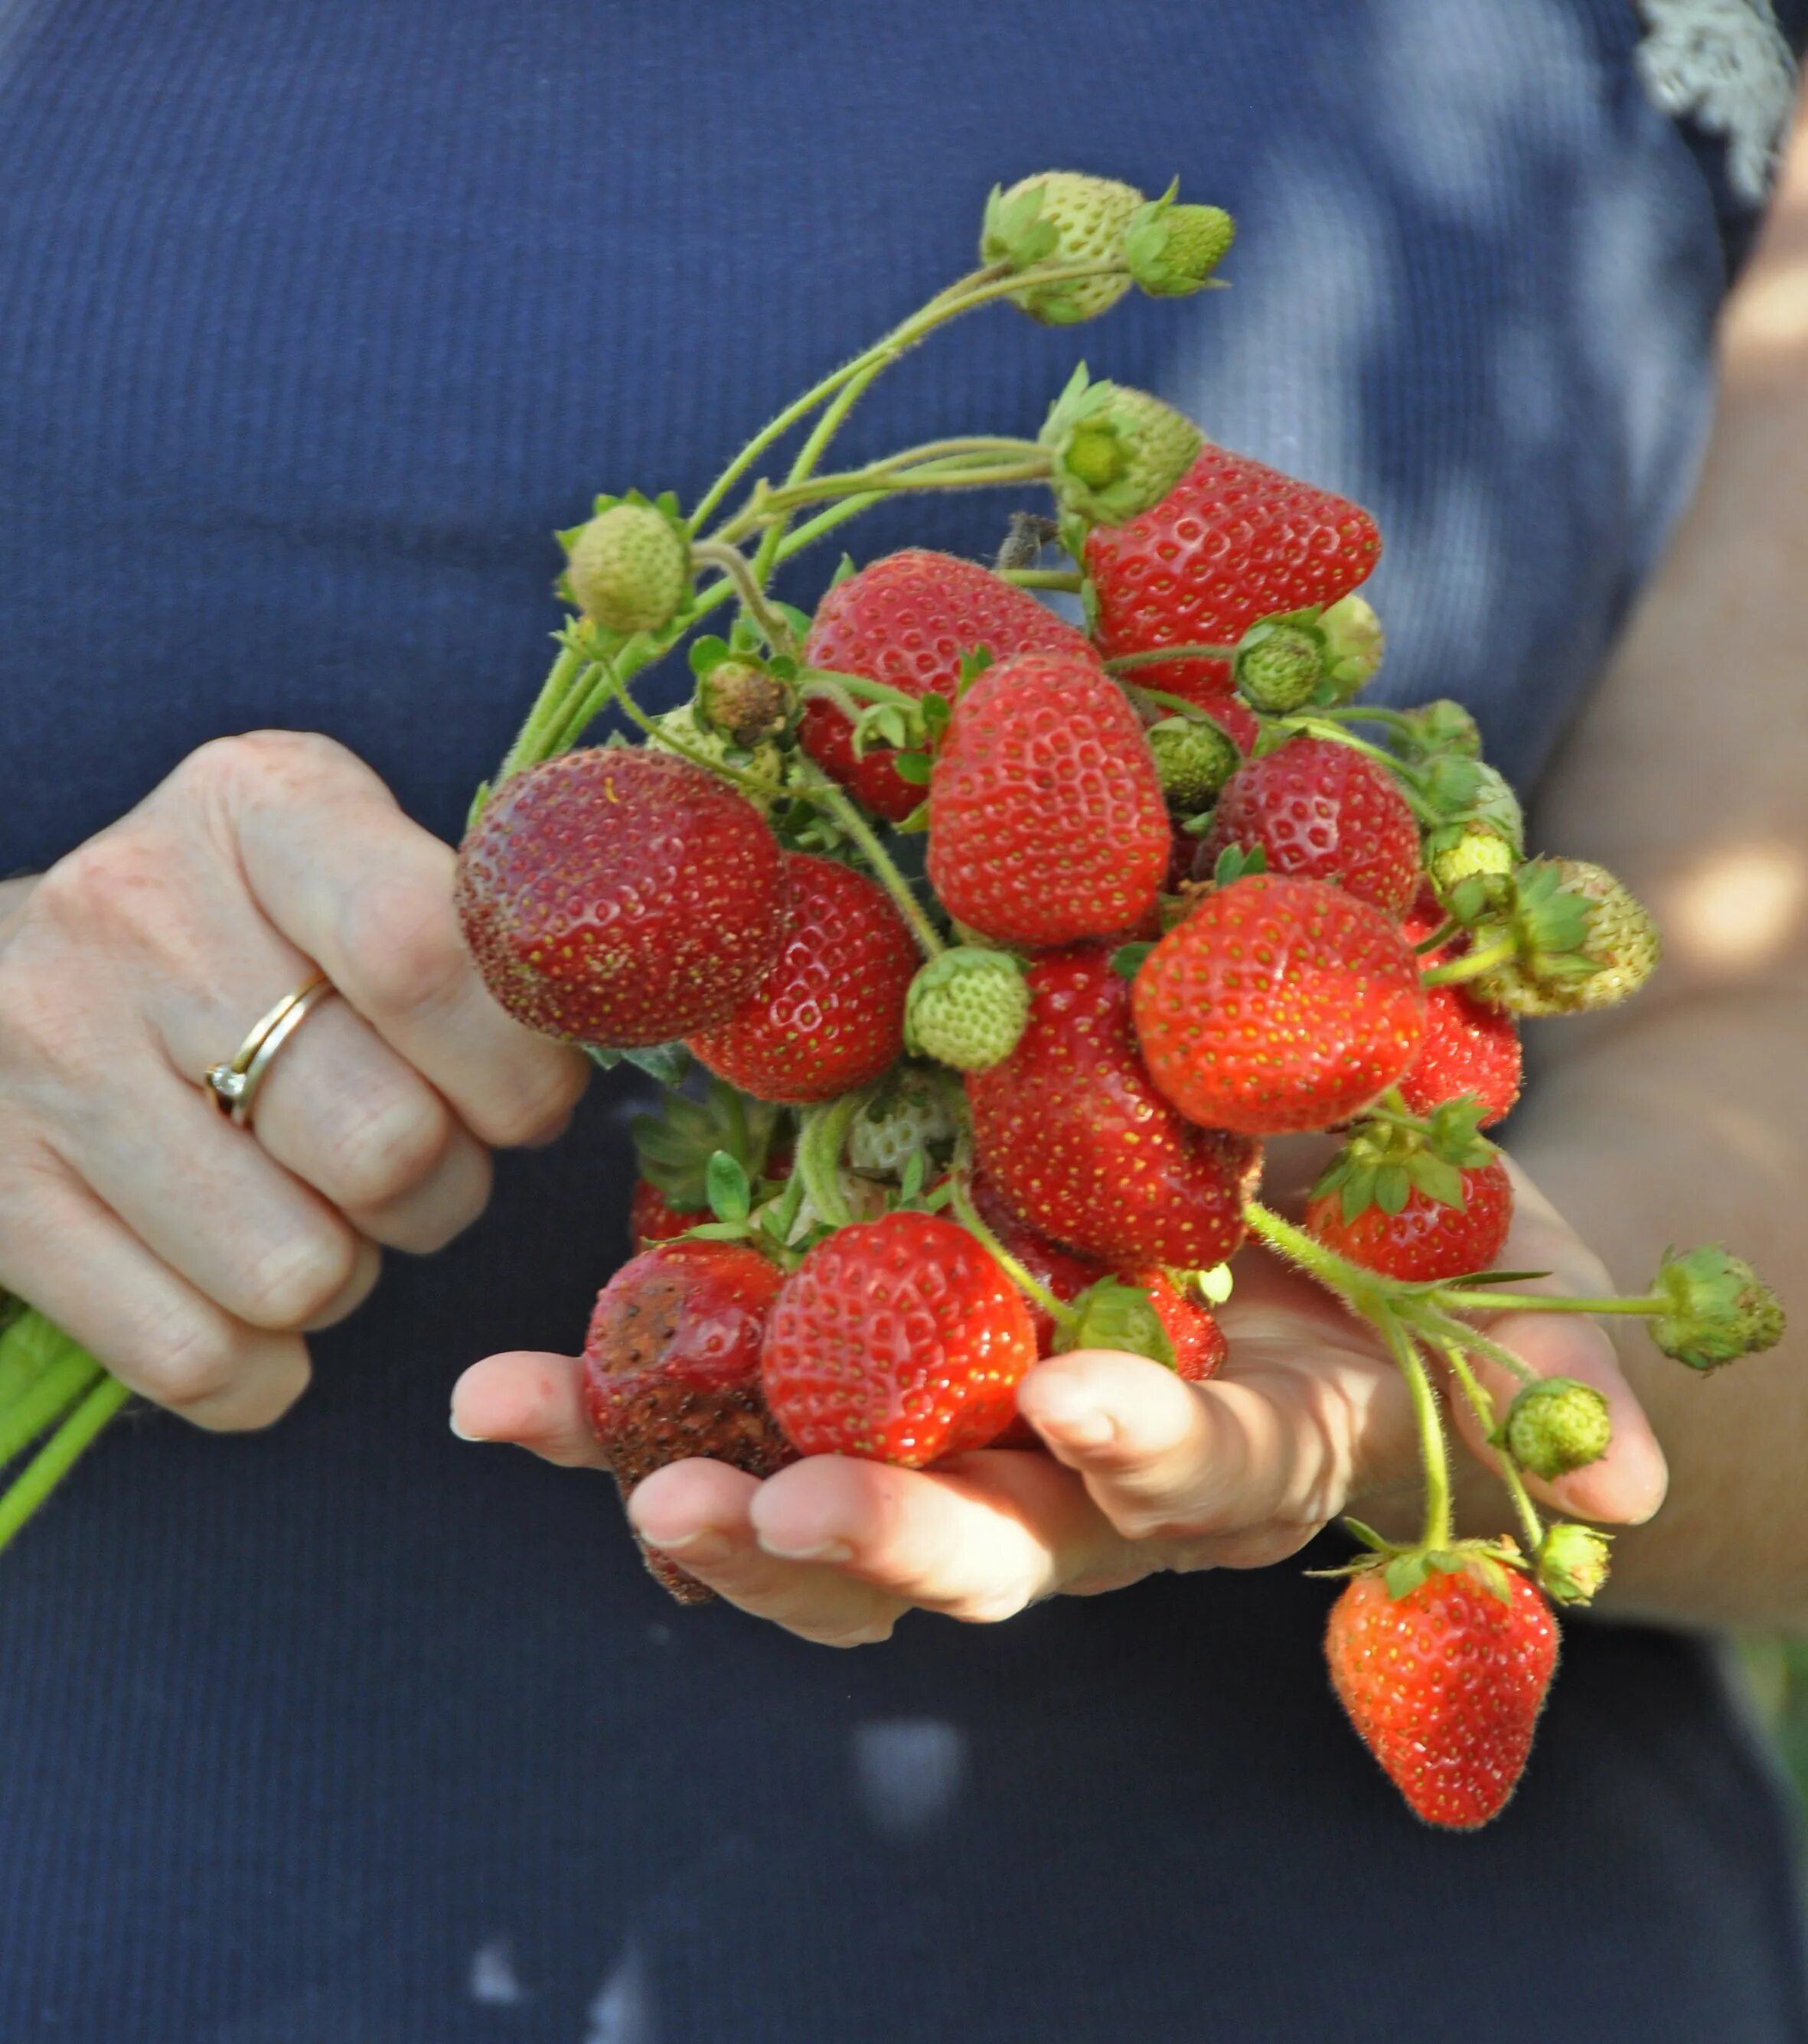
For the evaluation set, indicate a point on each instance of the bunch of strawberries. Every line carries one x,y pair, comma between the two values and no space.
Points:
995,946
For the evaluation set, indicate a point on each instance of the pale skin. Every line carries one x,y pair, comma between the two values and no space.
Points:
195,1260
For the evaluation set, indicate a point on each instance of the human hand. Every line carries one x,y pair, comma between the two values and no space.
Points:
187,1254
1144,1471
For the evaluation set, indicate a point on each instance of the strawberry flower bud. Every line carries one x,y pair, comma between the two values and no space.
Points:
630,568
967,1009
1572,1562
1055,219
1171,249
1719,1308
1280,663
1556,1426
1354,643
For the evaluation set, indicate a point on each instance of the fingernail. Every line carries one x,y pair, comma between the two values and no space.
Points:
707,1545
464,1433
1065,1410
823,1551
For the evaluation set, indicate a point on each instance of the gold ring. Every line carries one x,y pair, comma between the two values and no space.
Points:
234,1085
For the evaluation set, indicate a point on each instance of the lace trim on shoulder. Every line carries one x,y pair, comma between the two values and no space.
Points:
1726,64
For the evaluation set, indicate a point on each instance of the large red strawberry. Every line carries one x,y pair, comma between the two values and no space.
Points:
651,1218
829,1014
897,1340
617,897
1232,542
1047,820
1278,1004
908,619
672,1369
1428,1240
1322,811
1469,1047
1445,1683
1084,1149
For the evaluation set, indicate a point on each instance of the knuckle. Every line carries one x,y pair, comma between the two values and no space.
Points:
250,762
100,884
297,1279
386,1147
402,942
185,1359
533,1106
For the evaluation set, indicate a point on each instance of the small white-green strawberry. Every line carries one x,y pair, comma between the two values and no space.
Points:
967,1009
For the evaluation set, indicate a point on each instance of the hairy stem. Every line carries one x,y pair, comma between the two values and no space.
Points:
54,1460
1483,1406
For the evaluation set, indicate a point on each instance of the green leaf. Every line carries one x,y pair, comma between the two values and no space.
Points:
912,767
1367,1536
1404,1572
915,824
844,568
730,1195
1234,863
935,710
604,1060
1392,1188
708,653
973,664
1127,960
915,1169
1112,1314
667,1062
1438,1180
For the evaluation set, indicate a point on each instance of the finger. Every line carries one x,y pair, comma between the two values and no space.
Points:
1253,1462
700,1514
1626,1486
531,1399
81,1268
207,1201
368,894
979,1539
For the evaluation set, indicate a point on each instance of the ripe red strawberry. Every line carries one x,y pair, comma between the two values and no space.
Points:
897,1340
1232,542
1320,810
1082,1147
651,1218
1047,821
1199,1345
1444,1685
1277,1004
671,1368
829,1014
1469,1047
908,619
1426,1240
617,897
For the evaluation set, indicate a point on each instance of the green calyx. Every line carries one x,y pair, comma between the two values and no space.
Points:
1172,250
1471,866
760,769
967,1009
1279,665
676,1143
1437,729
1404,1567
1389,1156
1060,218
1716,1308
1116,451
1570,1564
1576,940
1557,1425
1354,643
1112,1314
1194,757
630,569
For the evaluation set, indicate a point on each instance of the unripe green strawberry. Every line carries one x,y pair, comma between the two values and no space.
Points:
1556,1426
1572,1562
744,701
967,1009
1116,451
1194,757
1172,249
1583,941
1060,217
683,732
1280,664
1719,1308
911,1115
1470,852
630,569
1354,643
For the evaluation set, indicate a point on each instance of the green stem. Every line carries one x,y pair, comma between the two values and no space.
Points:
1542,1302
46,1399
1439,938
1483,1406
822,1132
1069,579
1429,1320
735,564
1157,656
1433,1452
819,788
58,1455
1367,1293
881,478
546,714
1368,713
1064,1315
1470,966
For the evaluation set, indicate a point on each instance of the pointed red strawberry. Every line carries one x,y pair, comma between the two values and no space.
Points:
617,897
829,1014
1084,1149
1428,1240
651,1218
909,619
672,1369
1278,1004
1445,1684
1322,811
1469,1047
897,1340
1047,820
1234,541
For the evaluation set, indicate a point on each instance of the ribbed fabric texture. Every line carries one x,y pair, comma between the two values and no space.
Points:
316,321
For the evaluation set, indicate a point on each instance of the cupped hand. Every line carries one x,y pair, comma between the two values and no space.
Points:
1307,1418
190,1255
